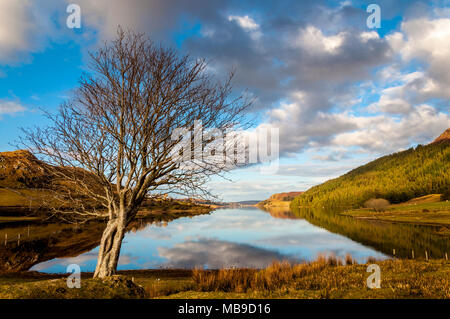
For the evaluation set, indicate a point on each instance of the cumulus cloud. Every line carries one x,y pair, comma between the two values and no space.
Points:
25,27
16,26
246,22
405,111
308,63
384,134
399,125
427,41
215,254
314,170
301,127
313,40
158,18
290,55
10,107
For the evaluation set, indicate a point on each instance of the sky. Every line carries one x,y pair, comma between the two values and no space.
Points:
342,93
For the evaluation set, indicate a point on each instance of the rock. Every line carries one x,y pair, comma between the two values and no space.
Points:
443,137
117,282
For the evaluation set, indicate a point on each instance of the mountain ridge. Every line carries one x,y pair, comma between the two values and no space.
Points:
443,137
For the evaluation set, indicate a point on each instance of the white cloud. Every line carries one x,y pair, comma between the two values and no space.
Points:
157,18
302,127
384,134
248,24
426,41
16,27
10,107
367,36
315,41
245,22
26,26
398,125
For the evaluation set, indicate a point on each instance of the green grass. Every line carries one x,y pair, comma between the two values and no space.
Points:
14,219
112,288
427,213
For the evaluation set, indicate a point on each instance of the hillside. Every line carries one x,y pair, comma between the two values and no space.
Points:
443,137
20,169
397,177
28,185
279,200
26,182
284,196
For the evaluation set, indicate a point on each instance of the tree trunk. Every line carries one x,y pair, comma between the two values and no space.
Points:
110,245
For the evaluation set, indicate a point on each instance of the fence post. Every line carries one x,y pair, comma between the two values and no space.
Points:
446,256
393,252
426,255
412,251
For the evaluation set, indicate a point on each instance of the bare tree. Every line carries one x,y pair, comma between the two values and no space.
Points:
114,140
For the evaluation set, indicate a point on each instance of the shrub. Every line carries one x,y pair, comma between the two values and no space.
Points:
378,204
446,194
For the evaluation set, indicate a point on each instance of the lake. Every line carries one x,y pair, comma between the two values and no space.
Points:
246,237
241,237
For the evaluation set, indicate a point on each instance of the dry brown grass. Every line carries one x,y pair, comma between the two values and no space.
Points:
331,278
274,277
158,288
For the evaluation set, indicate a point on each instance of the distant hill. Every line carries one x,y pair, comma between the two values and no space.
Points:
248,202
28,185
28,182
244,203
21,169
279,200
397,177
284,196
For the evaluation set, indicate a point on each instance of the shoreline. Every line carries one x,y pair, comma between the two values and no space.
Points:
401,278
427,214
160,213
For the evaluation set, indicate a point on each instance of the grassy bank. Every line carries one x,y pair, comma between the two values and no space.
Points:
426,212
323,278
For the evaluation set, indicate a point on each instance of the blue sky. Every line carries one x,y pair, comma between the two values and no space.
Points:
340,93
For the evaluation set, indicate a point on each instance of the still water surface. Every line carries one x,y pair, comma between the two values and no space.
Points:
246,237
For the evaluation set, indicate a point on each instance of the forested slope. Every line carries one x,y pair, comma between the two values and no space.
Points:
397,177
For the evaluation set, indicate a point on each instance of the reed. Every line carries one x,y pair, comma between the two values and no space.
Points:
275,276
331,277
